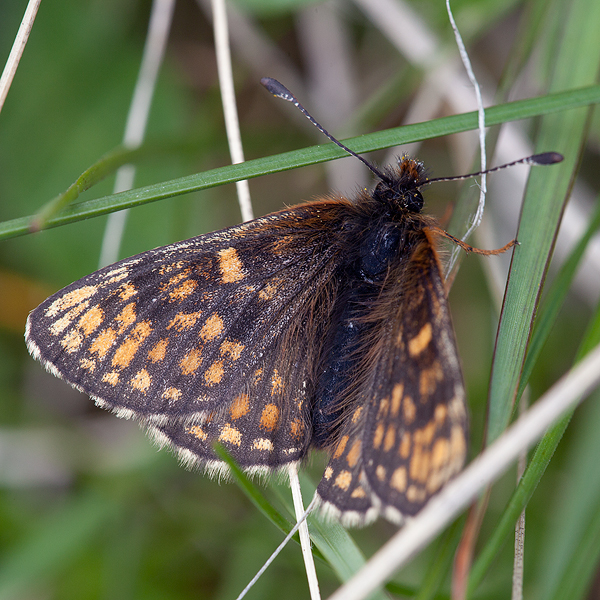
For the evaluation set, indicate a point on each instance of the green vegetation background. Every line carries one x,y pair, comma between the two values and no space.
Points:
88,508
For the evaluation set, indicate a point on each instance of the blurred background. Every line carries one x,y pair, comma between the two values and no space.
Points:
88,507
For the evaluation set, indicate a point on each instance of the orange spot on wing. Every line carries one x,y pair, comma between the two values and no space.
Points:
417,344
240,406
168,268
262,444
296,428
230,266
339,449
183,321
197,431
125,353
116,275
440,453
176,279
233,349
102,344
70,299
89,365
72,341
58,326
276,383
91,320
269,417
183,291
141,381
343,480
159,351
440,414
214,373
231,435
358,492
190,362
212,328
126,317
397,394
354,454
426,434
111,378
269,290
429,379
419,464
390,438
404,449
126,291
384,407
409,409
171,394
399,479
458,448
378,436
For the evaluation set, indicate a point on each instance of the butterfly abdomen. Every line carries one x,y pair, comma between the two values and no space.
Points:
337,368
371,249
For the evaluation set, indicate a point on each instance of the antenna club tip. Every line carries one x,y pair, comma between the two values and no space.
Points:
547,158
277,89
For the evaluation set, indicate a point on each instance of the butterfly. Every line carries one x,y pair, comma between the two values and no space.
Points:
325,326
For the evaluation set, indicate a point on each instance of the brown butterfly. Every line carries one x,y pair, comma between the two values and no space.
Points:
322,326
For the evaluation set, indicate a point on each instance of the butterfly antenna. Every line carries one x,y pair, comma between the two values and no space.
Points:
280,91
546,158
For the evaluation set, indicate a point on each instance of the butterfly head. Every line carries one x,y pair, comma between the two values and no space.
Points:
401,184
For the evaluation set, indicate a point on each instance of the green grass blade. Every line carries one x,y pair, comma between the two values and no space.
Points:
553,302
441,564
503,113
334,545
332,542
542,209
254,494
518,501
108,164
540,218
532,475
569,568
583,563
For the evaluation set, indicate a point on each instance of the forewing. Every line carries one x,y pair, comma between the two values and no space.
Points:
178,333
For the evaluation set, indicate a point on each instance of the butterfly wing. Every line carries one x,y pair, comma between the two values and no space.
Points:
203,340
407,434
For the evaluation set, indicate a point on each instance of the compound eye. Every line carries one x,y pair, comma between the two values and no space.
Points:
414,201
